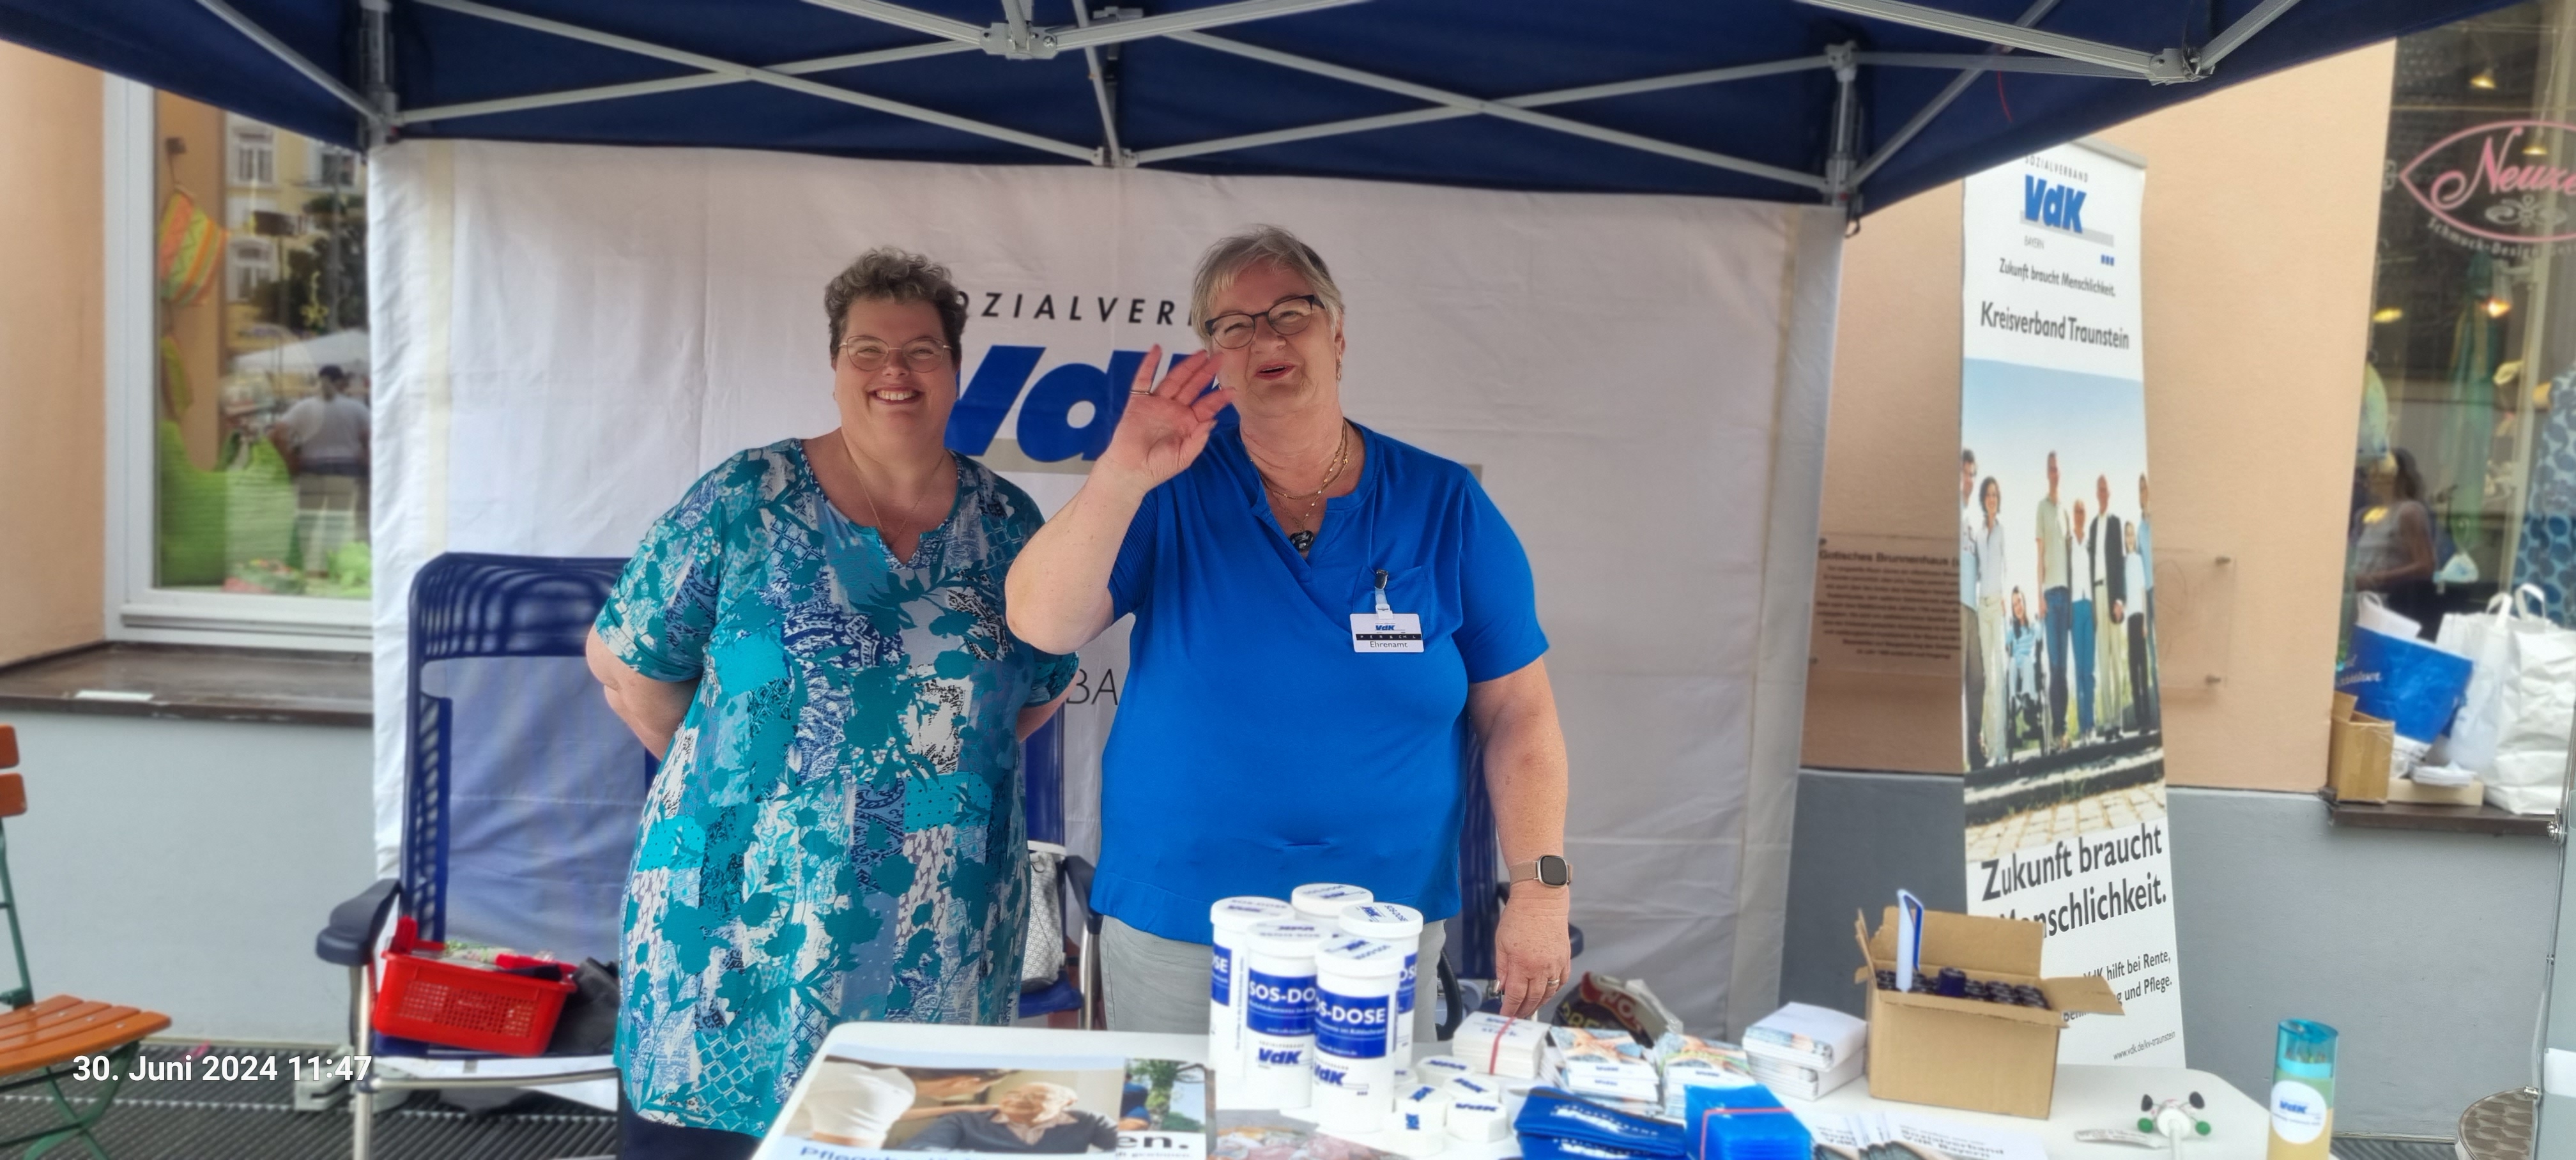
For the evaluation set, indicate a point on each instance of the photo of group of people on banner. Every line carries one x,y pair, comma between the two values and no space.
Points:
2058,653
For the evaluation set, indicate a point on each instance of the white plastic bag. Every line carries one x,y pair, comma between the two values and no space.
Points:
2521,701
2372,613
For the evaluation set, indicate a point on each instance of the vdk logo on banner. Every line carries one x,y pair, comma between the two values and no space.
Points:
1069,412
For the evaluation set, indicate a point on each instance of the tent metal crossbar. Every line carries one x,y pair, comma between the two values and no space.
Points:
1939,104
295,60
767,77
2168,66
1018,37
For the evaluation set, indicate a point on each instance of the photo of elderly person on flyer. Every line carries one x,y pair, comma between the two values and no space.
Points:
1033,1117
1268,738
813,641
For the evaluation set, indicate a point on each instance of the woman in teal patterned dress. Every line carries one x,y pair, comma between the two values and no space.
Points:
813,642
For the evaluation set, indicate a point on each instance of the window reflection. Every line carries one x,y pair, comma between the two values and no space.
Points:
262,449
2465,465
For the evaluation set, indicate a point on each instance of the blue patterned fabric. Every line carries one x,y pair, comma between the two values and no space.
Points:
2546,555
834,834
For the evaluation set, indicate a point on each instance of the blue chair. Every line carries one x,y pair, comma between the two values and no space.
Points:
519,808
521,801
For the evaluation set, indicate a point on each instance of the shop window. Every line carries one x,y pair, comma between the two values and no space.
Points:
240,390
2464,471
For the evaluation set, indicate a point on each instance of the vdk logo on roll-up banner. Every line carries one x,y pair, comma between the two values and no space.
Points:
1069,412
2053,204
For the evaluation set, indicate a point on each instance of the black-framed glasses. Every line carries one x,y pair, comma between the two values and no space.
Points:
1287,316
869,354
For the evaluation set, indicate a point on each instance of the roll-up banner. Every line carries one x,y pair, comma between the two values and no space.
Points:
2065,754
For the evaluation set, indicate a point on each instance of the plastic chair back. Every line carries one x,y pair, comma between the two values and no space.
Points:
525,790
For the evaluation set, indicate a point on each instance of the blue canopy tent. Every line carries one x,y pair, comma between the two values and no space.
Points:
1856,102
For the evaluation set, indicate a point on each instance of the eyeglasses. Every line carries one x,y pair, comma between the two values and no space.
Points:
1287,316
868,354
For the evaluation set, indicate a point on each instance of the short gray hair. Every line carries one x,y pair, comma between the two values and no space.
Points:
1230,256
1054,1092
887,274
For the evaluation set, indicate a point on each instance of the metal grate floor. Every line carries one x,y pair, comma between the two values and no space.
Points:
255,1119
2384,1148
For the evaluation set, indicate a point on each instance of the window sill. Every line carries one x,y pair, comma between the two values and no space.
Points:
2478,819
191,682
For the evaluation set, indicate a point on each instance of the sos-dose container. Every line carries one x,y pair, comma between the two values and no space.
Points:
1233,919
1279,1014
1394,922
1355,1015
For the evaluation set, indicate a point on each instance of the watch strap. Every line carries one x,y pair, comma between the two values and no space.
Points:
1530,871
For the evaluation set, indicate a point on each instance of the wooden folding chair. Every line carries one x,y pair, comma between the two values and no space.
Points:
41,1043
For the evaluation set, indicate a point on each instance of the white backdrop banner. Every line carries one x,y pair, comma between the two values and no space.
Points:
570,335
2066,764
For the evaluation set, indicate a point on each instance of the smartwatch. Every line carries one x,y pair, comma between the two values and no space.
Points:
1549,870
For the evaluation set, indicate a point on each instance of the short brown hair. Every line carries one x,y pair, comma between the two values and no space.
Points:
887,274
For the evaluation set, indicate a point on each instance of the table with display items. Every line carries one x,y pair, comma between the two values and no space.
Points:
2090,1097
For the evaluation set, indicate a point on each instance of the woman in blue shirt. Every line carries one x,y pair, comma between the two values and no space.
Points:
813,643
1326,620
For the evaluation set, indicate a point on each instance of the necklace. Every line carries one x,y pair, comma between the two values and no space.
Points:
1304,538
911,512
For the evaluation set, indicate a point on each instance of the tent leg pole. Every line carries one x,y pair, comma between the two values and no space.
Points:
1845,158
1112,154
376,68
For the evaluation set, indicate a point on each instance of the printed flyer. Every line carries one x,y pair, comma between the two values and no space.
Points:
889,1091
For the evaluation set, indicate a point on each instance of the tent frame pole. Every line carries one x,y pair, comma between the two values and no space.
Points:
1923,117
1845,157
1018,38
1450,112
376,68
1111,154
762,76
703,80
1466,105
2127,60
294,60
2171,66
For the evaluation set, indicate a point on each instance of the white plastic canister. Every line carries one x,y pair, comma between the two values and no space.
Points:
1323,901
1233,919
1279,1014
1394,922
1355,1013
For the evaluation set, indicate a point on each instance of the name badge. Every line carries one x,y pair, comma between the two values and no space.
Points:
1386,632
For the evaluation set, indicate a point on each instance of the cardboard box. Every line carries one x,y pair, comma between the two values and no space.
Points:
2407,789
1968,1053
2358,746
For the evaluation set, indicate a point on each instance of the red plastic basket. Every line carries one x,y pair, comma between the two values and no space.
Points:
460,1006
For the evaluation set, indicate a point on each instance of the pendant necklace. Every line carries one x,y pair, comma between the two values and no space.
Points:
1304,538
911,512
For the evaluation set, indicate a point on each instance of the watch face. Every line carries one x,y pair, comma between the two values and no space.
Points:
1552,871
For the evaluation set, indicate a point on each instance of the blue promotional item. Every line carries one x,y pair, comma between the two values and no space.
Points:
1553,1148
1742,1123
2408,682
1553,1114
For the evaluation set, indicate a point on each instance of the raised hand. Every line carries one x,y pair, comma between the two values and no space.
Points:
1166,424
